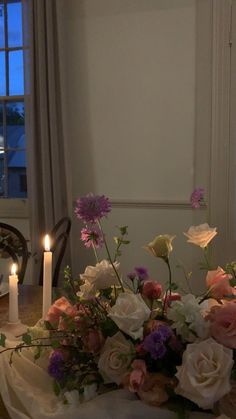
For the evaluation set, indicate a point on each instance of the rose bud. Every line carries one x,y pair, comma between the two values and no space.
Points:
151,290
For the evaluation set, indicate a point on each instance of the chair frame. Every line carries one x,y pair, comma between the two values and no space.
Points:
25,253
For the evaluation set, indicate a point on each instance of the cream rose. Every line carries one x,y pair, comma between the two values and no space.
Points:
201,235
204,376
98,277
115,358
161,246
129,313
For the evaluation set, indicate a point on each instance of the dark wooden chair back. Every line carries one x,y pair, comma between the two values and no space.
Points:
59,236
14,245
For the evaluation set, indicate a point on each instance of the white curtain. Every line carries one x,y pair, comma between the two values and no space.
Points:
44,129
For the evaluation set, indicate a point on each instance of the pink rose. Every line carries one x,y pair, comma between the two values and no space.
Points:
218,284
94,341
153,391
137,376
174,296
60,306
227,405
223,324
151,290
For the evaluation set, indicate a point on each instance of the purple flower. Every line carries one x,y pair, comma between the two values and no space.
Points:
141,272
55,366
91,208
154,343
131,276
92,236
197,197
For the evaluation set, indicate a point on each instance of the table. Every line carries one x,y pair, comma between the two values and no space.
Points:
32,385
30,305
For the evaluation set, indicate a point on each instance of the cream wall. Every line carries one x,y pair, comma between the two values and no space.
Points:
129,81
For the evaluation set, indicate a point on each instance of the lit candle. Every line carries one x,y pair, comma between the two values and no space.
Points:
13,296
47,277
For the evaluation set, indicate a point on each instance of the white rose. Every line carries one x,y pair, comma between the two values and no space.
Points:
98,277
115,358
187,319
204,376
129,313
201,235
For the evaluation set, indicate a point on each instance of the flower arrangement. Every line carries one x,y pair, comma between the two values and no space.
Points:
109,331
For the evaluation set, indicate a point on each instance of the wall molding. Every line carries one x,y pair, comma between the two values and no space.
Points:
220,139
153,204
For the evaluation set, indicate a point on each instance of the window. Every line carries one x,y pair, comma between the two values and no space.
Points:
12,110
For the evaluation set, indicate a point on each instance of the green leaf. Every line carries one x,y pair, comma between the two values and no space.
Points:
27,339
48,325
123,230
116,240
232,282
108,327
56,388
2,340
55,344
174,286
38,353
125,241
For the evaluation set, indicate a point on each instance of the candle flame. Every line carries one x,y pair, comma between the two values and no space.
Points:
13,269
47,243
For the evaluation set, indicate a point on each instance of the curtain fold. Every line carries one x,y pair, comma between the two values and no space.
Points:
46,172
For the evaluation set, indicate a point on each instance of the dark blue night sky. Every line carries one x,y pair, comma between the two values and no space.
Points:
16,79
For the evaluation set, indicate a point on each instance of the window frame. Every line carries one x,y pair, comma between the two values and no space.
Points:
10,207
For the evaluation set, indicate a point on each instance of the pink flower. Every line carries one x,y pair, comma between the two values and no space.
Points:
153,391
151,290
227,405
137,376
223,324
60,306
197,197
218,283
94,341
174,296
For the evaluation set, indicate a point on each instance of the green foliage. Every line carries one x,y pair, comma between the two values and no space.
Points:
119,241
2,340
56,388
27,339
108,327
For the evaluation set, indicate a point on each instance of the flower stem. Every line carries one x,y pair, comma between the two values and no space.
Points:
109,257
207,259
170,285
95,253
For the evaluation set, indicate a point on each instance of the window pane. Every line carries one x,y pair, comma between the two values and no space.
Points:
17,187
2,33
2,74
14,18
15,125
1,128
16,75
2,192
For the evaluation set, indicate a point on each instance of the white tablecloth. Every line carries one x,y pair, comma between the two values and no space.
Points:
26,390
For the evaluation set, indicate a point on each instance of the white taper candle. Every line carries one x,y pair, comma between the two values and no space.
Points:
13,296
47,277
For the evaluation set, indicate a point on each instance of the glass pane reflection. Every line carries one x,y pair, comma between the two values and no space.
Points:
14,22
16,74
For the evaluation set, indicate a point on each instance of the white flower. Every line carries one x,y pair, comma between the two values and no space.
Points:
201,235
98,277
187,319
204,376
129,313
115,358
72,397
90,392
75,399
